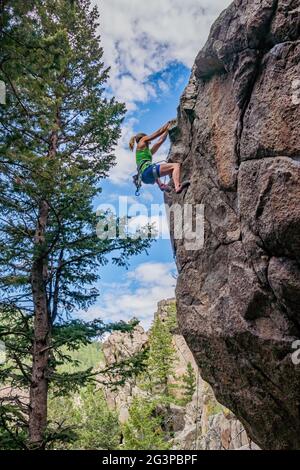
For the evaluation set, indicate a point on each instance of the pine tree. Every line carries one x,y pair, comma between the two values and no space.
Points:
66,374
161,358
57,135
189,383
91,425
143,430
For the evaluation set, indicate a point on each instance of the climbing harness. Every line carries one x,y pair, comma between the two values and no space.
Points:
154,171
137,179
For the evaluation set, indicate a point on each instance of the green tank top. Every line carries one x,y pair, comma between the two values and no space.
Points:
143,158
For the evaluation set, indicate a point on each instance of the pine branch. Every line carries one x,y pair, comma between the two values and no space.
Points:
15,92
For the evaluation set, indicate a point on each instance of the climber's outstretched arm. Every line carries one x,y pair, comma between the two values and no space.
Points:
159,143
155,135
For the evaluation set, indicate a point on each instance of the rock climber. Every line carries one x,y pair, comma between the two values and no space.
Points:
149,172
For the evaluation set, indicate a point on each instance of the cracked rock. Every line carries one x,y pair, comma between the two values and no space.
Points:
238,296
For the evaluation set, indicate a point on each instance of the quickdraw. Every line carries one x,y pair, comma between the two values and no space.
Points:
137,179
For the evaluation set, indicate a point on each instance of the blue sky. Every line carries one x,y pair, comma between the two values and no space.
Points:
150,47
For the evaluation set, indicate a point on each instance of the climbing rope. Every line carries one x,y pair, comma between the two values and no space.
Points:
197,410
231,439
197,399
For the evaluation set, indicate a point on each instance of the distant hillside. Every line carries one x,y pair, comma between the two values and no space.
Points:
87,356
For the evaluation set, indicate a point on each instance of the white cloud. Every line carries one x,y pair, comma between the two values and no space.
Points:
137,296
141,38
126,165
158,222
154,273
115,198
147,196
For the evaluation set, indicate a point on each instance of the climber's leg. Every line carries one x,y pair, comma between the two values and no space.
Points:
173,170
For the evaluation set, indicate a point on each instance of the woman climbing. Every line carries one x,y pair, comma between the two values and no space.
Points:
151,173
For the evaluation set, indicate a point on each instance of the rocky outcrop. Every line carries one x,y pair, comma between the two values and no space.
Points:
201,424
238,297
209,426
120,346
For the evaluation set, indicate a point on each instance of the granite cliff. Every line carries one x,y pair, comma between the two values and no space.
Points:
237,136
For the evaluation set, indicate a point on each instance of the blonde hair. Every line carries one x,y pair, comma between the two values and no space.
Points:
135,139
132,143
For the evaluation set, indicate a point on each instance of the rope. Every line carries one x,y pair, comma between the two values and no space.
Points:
197,399
197,412
231,439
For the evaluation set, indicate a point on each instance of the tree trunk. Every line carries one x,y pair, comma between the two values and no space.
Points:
42,321
41,341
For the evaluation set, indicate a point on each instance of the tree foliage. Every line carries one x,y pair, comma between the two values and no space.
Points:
67,375
86,421
189,383
160,360
58,131
143,430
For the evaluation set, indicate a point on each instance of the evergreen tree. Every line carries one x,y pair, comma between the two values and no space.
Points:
189,383
143,430
67,375
89,356
57,135
160,361
86,420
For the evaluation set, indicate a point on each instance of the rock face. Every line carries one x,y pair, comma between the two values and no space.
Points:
201,424
238,297
209,426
